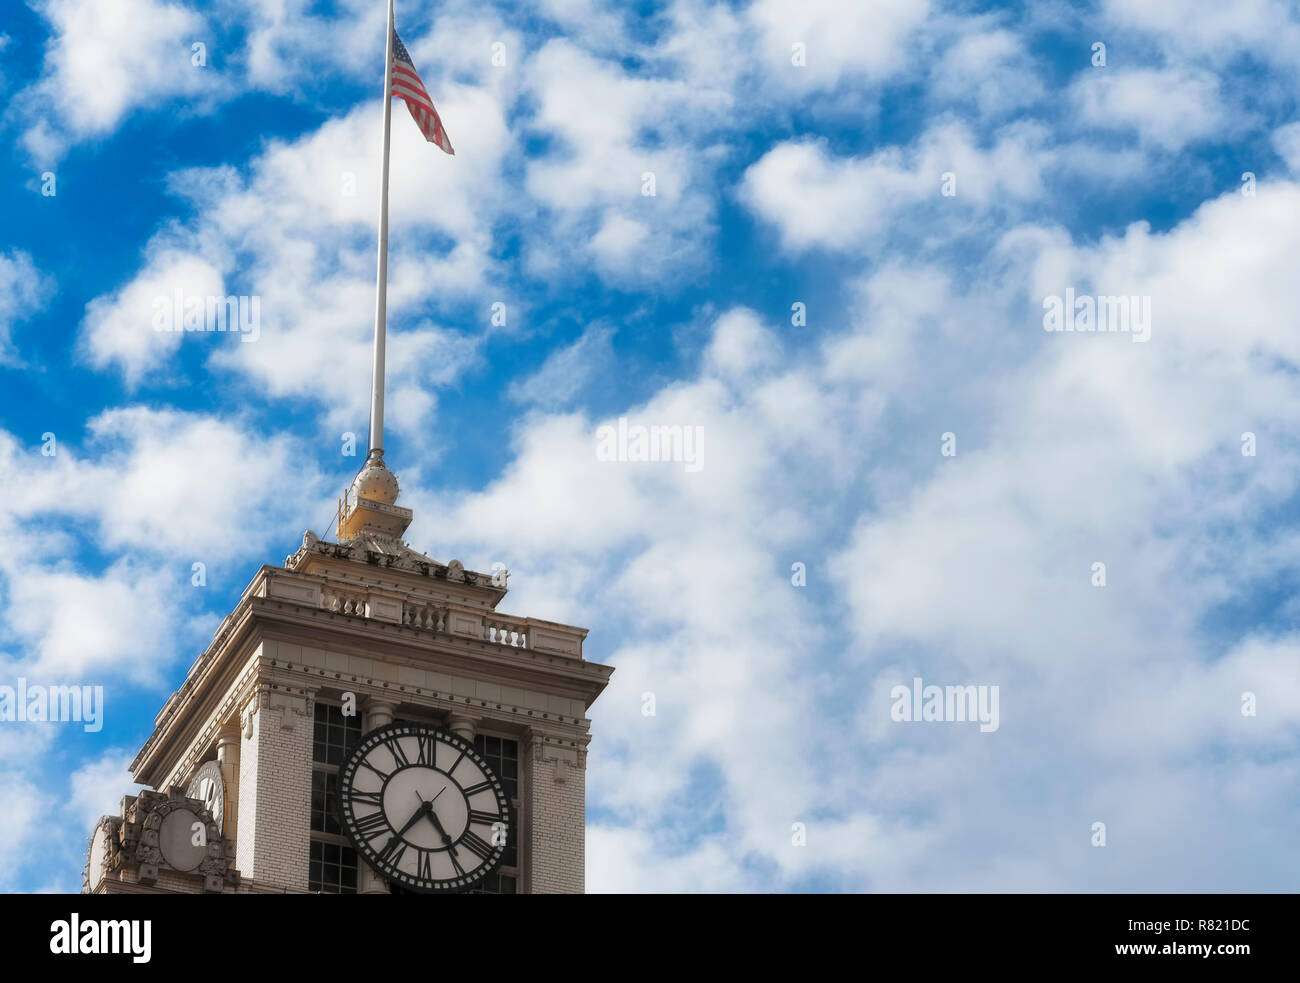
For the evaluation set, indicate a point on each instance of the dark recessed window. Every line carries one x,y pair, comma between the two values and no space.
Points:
496,884
324,802
333,868
503,755
334,734
332,863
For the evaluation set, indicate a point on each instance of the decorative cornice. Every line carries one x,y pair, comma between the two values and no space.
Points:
230,709
544,747
390,552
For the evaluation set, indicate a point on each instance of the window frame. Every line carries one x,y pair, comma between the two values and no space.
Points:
328,771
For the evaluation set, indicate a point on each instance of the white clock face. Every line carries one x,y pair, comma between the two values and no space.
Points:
99,847
210,789
423,807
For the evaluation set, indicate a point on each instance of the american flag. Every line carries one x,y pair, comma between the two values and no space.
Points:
407,86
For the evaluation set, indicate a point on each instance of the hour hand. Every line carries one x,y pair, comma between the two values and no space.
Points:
416,818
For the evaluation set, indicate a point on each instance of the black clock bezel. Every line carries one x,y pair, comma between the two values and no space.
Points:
347,818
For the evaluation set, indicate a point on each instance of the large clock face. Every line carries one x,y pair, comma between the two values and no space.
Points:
423,807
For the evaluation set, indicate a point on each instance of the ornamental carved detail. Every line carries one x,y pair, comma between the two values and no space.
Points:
103,852
162,832
384,550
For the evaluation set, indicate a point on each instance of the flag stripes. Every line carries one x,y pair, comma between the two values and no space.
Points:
408,87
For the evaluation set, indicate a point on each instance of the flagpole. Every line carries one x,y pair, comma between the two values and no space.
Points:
381,279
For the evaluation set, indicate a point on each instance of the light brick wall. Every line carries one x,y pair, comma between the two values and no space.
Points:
556,804
275,793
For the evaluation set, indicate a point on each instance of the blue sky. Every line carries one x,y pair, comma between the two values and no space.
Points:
799,153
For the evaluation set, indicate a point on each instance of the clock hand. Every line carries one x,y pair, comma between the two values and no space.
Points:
431,801
434,816
413,820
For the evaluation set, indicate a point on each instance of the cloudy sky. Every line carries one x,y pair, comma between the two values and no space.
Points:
824,233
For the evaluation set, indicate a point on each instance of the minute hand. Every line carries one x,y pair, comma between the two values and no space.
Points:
434,816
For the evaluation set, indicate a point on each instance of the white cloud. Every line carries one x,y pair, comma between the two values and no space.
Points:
992,69
596,25
672,554
621,861
741,344
816,199
1286,141
976,569
78,629
1265,28
23,291
841,39
1169,108
119,331
287,38
567,371
166,480
98,786
618,137
107,57
297,233
699,31
21,823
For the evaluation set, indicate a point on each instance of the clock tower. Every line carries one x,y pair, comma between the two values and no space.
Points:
364,721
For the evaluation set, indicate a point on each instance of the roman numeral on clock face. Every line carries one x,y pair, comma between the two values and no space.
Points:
383,775
367,798
394,745
372,825
428,750
476,845
479,816
475,789
425,865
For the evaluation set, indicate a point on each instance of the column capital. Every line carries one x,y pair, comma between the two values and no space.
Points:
228,737
378,711
463,725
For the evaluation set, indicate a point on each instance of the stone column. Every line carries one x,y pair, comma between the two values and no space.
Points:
228,759
377,713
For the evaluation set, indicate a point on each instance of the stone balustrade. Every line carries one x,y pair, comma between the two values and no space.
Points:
426,614
345,602
427,617
502,631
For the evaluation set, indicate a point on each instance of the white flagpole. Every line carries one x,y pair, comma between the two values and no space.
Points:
381,280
